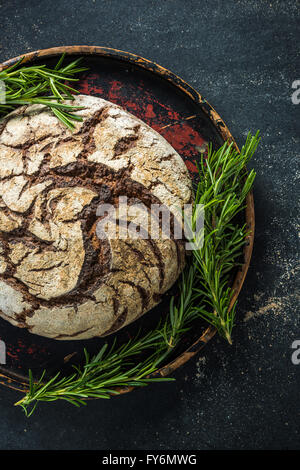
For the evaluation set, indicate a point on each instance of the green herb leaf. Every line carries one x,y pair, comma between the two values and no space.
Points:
31,84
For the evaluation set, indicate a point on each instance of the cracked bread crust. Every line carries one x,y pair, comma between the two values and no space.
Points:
57,278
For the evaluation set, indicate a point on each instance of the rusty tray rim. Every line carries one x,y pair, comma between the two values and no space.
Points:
17,381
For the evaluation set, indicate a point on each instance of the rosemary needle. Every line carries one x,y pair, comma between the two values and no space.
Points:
38,84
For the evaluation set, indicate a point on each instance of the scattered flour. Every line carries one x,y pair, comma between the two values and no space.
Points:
200,365
273,305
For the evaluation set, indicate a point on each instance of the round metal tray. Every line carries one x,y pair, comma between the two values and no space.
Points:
185,119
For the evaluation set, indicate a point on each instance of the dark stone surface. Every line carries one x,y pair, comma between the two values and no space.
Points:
242,56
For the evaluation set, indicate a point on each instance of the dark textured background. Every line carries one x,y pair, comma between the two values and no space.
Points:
242,57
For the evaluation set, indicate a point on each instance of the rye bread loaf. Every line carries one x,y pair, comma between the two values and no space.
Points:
58,279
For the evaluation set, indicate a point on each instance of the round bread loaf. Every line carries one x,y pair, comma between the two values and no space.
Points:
58,278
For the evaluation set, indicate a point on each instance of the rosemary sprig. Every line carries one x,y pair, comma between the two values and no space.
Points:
222,189
204,291
39,84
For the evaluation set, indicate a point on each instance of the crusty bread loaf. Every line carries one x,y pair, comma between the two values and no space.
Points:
58,279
